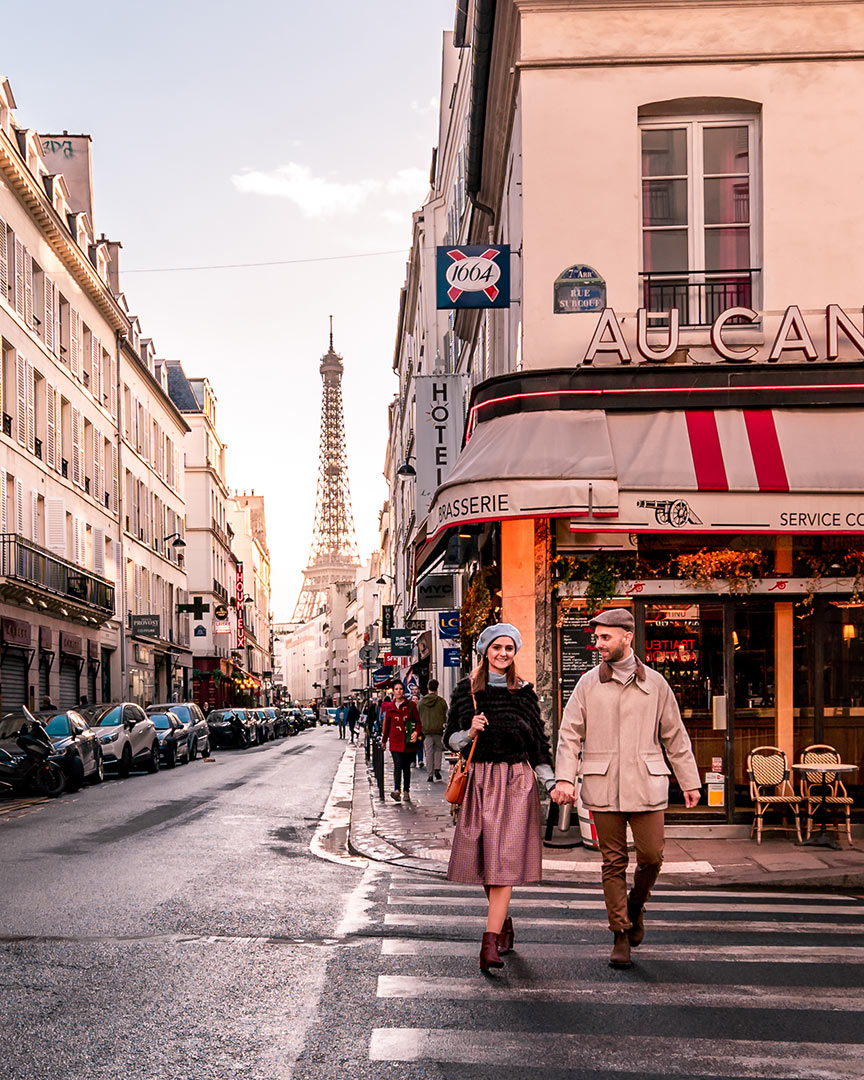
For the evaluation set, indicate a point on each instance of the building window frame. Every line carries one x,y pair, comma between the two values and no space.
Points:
699,292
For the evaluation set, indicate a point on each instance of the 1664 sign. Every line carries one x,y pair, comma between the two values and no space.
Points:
474,276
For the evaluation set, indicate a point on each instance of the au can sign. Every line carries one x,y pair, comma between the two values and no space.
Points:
474,276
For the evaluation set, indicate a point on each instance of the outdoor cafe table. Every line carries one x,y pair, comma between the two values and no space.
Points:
823,838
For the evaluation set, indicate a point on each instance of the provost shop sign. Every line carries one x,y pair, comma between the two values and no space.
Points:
474,276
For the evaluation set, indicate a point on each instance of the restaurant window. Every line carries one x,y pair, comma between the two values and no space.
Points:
843,630
700,221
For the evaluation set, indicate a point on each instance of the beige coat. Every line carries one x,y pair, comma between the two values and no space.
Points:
621,732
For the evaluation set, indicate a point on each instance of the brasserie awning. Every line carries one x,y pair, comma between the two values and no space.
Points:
726,470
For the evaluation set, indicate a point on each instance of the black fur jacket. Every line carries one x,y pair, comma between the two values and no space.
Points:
515,731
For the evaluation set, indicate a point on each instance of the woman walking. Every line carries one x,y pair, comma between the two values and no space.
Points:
401,732
497,840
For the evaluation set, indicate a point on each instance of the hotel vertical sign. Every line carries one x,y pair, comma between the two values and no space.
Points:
438,437
241,612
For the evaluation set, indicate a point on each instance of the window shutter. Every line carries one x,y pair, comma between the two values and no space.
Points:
28,289
19,277
48,326
50,427
99,552
58,434
112,387
34,518
75,342
19,507
96,368
4,262
137,598
115,482
77,471
30,384
21,399
55,525
98,490
56,332
76,540
4,502
176,483
110,569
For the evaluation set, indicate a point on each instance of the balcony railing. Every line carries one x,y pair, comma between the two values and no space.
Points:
220,591
24,562
699,295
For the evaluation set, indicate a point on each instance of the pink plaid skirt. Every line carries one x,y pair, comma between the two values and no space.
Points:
497,840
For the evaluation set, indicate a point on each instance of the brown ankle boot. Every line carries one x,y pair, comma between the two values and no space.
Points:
489,955
505,938
636,915
620,955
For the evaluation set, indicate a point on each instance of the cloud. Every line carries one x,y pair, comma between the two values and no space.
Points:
429,108
315,196
323,196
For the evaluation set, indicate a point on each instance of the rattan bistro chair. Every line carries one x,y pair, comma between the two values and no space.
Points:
812,787
768,772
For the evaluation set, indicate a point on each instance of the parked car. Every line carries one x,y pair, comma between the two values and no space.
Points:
331,715
126,734
190,713
309,717
77,749
262,723
281,727
230,727
173,735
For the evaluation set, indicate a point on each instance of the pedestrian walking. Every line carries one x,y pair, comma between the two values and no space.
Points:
401,732
621,718
340,720
433,717
352,716
497,839
419,756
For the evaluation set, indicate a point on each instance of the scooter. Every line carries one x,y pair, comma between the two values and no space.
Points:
32,768
240,732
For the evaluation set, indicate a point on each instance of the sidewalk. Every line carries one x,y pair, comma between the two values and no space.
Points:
417,835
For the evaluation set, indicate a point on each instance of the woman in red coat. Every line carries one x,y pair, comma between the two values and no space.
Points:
401,732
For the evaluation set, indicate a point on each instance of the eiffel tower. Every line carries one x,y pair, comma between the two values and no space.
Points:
333,557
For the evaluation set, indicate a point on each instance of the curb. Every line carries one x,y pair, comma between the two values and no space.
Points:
364,841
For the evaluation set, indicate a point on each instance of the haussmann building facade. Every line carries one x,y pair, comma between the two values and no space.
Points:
668,416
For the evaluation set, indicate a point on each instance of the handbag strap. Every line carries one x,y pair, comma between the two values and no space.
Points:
476,737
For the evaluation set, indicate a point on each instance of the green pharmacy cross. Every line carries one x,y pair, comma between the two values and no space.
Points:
198,609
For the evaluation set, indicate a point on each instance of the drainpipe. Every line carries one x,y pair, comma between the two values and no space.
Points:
121,558
481,48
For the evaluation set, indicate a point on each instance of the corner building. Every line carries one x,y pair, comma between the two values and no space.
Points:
668,416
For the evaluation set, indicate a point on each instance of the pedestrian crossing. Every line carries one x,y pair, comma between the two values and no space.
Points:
729,984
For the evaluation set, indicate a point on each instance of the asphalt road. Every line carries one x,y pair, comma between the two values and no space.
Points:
174,926
177,927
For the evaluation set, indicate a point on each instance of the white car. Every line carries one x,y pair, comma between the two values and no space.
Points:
127,736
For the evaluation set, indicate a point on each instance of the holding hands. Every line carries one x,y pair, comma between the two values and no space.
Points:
563,793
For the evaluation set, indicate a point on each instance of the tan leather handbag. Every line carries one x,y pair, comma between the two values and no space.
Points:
457,785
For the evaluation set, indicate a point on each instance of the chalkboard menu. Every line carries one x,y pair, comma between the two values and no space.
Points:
578,653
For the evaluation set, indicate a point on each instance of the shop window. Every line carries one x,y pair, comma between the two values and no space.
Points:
843,644
700,220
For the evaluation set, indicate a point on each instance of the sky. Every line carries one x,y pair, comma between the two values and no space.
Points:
266,131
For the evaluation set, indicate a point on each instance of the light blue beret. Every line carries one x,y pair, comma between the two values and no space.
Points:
504,629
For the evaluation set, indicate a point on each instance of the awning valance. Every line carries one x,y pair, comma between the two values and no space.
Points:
703,470
538,464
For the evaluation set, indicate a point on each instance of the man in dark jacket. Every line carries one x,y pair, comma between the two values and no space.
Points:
433,716
352,715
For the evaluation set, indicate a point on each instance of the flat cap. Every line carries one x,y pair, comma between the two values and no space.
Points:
615,617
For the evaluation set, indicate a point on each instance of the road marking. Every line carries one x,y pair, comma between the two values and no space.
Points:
739,954
408,884
656,904
330,839
766,926
604,993
621,1053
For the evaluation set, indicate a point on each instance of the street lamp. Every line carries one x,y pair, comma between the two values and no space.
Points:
176,538
383,579
406,468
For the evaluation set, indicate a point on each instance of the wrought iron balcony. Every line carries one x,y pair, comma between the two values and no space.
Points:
699,295
31,572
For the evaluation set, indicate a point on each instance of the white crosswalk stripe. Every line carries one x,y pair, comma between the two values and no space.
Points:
729,983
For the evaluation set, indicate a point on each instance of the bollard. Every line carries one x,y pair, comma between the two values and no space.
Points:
378,766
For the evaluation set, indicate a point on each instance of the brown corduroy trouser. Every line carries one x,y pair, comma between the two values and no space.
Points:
647,828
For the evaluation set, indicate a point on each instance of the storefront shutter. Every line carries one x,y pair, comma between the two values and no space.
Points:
55,525
13,672
68,684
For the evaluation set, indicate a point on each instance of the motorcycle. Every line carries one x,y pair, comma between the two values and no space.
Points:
240,732
31,766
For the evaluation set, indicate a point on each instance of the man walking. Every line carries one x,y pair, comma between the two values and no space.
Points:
620,718
341,717
433,717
